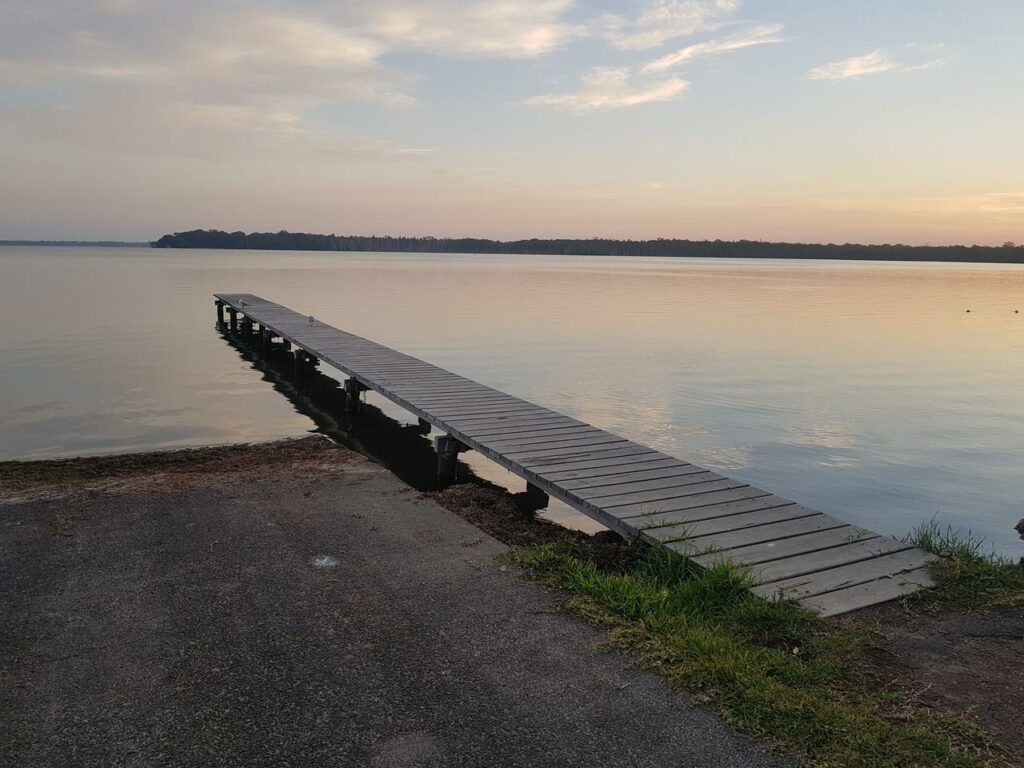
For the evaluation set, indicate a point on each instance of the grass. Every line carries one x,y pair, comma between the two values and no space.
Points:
807,685
969,575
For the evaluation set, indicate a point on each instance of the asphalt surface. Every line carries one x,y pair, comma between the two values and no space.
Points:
300,622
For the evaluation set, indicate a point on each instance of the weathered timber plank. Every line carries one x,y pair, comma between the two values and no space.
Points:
459,398
644,514
575,441
470,423
755,554
486,410
737,521
568,455
627,466
600,494
527,431
871,593
764,534
706,485
612,479
547,470
823,559
844,576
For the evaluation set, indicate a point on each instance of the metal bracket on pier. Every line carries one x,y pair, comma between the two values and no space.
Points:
448,449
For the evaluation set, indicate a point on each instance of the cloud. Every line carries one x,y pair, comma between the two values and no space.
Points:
756,36
605,88
515,29
212,85
662,20
877,62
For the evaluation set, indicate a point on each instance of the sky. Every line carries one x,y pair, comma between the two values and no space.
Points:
801,120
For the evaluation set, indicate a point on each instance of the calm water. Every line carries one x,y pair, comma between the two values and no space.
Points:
866,390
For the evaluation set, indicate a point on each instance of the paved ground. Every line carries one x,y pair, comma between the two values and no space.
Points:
291,622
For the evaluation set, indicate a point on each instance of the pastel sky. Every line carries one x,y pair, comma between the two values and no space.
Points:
810,120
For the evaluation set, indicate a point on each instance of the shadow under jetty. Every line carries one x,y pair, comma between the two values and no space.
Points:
405,449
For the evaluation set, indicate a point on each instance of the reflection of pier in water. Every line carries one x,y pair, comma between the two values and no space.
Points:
824,563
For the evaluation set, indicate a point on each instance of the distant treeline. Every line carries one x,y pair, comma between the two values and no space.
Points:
749,249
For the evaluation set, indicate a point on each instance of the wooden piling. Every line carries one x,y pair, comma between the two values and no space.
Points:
536,498
448,449
352,391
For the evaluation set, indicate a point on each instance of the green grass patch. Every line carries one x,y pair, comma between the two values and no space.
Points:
773,670
969,575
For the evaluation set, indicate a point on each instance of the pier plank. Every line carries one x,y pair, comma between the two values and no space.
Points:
844,576
696,529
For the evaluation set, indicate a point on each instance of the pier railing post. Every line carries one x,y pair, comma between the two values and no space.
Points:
448,449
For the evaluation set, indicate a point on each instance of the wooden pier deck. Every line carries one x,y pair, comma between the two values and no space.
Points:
831,567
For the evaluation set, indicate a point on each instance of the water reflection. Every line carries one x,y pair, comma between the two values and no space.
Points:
862,389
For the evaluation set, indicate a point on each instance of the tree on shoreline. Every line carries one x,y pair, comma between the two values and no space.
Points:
751,249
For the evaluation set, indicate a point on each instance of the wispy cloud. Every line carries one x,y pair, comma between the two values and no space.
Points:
210,85
606,88
660,21
746,39
515,29
879,61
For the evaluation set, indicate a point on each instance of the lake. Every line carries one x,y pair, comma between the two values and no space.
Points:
866,390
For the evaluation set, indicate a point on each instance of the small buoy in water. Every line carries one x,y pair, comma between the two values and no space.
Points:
968,310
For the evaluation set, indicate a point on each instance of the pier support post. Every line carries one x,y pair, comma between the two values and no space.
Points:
352,390
220,313
423,426
534,497
233,319
448,449
266,341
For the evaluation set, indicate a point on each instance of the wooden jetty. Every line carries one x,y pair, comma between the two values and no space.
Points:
829,566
